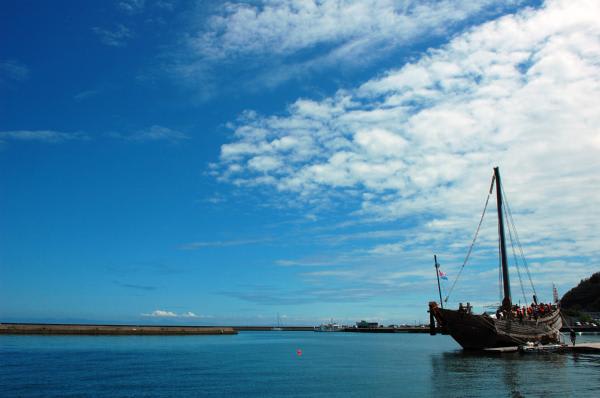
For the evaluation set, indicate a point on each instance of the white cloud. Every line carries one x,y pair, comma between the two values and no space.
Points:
282,40
116,37
349,27
154,133
264,163
378,142
50,136
221,243
131,6
161,314
522,92
165,4
13,70
189,314
84,95
171,314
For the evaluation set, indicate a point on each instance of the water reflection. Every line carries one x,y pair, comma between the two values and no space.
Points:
464,373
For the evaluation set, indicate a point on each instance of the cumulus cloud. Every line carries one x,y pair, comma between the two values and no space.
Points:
189,314
161,314
521,92
170,314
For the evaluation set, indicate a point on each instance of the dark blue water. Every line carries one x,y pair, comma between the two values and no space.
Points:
267,364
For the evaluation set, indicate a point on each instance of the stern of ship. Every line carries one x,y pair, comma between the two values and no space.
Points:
472,332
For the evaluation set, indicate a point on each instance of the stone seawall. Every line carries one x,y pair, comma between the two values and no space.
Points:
115,330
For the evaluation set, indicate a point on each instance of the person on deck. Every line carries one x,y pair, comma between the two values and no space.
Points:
520,315
573,337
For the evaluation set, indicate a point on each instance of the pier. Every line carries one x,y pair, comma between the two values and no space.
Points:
585,347
577,348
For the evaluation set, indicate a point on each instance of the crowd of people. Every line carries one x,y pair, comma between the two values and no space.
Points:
532,311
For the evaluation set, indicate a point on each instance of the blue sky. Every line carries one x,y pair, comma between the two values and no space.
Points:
222,162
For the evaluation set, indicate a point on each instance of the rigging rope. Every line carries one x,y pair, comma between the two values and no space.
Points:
500,293
514,252
512,222
472,243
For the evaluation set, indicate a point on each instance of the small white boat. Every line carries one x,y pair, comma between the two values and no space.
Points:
329,327
531,347
278,328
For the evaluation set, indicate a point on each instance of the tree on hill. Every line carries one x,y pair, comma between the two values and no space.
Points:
585,296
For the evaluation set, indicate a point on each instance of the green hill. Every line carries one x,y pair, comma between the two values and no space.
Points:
583,297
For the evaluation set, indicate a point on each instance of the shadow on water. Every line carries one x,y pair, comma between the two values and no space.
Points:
468,373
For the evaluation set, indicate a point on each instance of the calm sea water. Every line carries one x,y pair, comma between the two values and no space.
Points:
268,364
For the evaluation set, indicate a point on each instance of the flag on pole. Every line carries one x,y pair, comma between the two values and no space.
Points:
443,274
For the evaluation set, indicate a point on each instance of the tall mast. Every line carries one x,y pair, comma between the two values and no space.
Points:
437,274
506,302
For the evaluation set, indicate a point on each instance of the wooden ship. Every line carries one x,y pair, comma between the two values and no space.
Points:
511,325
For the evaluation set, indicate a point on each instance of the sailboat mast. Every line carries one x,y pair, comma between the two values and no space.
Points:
437,274
506,302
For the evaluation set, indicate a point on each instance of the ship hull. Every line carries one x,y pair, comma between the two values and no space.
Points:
481,331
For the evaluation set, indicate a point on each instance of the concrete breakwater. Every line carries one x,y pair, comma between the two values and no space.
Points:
113,330
87,329
402,329
273,328
399,329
